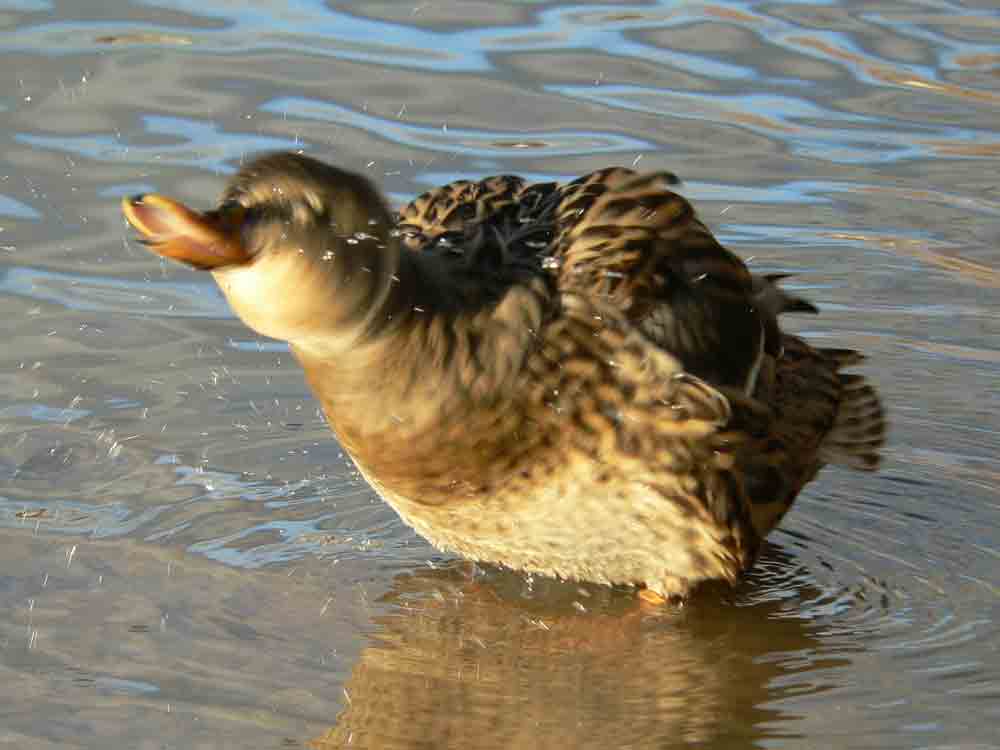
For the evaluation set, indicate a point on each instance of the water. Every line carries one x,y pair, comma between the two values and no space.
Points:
188,560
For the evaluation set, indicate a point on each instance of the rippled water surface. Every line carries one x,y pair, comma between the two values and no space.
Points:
186,558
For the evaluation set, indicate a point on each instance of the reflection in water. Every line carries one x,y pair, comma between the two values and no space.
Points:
479,664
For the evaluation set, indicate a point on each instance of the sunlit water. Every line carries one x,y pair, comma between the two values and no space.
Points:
186,558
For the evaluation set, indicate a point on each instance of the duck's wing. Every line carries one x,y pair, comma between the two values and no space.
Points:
448,210
502,212
629,240
620,398
806,412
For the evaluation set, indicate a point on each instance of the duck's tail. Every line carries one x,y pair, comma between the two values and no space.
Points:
858,432
773,301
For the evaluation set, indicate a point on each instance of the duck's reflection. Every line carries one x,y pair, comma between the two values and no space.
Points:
484,663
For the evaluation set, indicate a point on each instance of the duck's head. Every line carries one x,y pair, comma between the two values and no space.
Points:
298,247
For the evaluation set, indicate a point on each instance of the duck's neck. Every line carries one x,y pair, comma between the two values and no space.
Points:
413,363
364,357
369,295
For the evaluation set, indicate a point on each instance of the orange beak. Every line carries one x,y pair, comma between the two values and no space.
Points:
202,240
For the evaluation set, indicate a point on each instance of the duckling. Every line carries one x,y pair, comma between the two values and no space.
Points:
573,379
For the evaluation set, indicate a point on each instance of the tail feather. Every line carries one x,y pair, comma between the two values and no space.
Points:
843,357
858,433
774,300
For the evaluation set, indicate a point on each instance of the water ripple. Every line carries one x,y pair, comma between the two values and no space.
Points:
843,137
481,143
182,299
201,145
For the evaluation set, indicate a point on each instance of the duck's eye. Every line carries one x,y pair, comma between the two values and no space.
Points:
227,211
250,216
230,205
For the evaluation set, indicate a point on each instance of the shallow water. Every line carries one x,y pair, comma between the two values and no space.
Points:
186,558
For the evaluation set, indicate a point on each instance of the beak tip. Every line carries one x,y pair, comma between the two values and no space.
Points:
172,230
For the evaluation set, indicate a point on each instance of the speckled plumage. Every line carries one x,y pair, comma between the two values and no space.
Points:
572,379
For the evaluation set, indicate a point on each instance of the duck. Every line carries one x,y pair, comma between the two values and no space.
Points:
571,379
